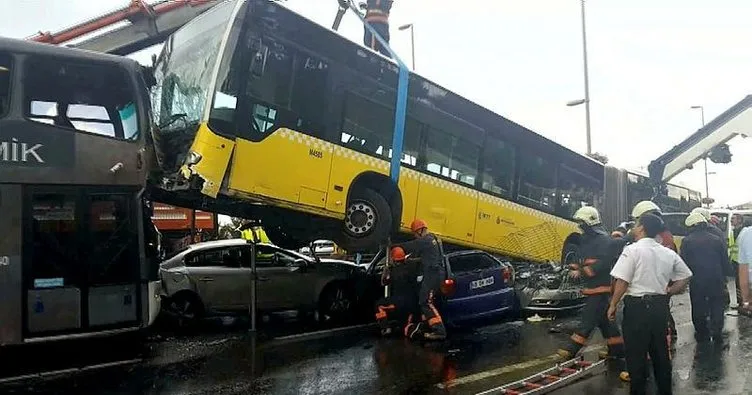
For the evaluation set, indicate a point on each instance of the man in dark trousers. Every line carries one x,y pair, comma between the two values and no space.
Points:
431,253
377,15
643,272
715,230
737,224
400,308
707,257
599,252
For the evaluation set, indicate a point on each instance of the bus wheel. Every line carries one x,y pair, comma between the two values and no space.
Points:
368,220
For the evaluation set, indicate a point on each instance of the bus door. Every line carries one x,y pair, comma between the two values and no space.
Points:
81,259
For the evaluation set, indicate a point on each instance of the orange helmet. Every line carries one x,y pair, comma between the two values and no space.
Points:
398,254
417,225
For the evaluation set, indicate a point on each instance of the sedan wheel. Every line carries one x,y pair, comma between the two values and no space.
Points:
336,303
185,311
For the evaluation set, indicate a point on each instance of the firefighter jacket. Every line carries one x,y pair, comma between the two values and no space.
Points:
599,253
377,11
718,233
706,256
430,251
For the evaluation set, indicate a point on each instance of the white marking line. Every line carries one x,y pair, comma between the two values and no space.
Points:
49,374
320,334
507,369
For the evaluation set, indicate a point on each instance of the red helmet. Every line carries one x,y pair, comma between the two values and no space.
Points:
417,225
398,254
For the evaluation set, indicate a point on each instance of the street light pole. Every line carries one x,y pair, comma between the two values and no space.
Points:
587,79
412,40
705,159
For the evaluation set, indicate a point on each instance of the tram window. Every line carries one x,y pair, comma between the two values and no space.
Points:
498,161
54,249
368,127
451,156
537,186
92,98
576,190
113,240
5,68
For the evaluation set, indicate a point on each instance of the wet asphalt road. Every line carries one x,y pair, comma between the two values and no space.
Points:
230,361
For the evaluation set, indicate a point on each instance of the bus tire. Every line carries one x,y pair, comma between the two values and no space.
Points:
368,221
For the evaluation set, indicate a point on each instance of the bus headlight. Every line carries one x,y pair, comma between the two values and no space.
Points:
192,158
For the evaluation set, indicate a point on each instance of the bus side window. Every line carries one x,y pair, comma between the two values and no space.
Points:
576,190
537,185
451,156
368,127
498,162
5,69
310,98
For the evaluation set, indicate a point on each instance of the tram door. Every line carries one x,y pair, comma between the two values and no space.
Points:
81,260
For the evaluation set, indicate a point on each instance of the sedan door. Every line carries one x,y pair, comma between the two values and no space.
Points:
221,281
285,281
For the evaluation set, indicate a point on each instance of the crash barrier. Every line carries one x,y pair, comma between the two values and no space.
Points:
551,379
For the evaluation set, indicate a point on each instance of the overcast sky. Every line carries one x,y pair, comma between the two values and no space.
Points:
523,59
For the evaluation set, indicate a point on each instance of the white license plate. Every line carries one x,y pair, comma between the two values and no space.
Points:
484,282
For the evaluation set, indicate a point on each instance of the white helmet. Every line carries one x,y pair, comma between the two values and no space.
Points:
589,215
643,207
703,211
695,218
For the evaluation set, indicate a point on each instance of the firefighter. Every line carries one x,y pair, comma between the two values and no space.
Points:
599,252
707,258
401,306
377,15
711,226
665,237
431,253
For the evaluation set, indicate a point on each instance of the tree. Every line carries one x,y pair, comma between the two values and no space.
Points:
599,157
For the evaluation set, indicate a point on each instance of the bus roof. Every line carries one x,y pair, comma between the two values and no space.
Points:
34,48
341,48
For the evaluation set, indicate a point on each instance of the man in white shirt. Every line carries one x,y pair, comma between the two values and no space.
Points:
643,273
744,242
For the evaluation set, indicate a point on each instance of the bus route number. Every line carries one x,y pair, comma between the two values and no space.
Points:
316,153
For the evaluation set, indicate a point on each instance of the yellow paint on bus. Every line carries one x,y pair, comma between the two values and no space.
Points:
293,170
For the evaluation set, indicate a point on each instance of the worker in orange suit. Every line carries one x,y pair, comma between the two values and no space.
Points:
400,308
377,15
428,248
599,252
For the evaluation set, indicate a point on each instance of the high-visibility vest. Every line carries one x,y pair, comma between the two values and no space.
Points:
733,248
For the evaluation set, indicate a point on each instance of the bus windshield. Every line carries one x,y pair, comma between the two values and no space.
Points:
185,68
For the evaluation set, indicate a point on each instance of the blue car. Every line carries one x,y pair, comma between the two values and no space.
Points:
477,286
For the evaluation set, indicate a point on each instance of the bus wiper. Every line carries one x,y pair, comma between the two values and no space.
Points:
172,119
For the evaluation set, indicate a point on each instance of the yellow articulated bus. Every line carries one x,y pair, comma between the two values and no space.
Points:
262,113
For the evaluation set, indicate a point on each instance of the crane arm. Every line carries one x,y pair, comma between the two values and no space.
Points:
148,25
737,120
